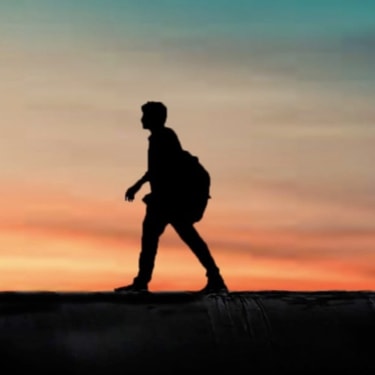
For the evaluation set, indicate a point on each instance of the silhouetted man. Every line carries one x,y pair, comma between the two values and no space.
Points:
163,203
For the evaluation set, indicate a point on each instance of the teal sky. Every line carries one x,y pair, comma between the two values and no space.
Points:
270,18
320,39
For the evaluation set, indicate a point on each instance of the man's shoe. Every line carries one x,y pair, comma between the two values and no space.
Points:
215,286
135,288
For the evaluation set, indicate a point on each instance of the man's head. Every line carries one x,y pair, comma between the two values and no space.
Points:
154,115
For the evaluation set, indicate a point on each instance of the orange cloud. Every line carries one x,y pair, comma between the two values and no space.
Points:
71,243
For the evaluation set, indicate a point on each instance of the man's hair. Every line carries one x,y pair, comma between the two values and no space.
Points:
157,110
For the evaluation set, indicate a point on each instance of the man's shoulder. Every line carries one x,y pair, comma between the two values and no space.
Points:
165,136
164,131
169,133
169,130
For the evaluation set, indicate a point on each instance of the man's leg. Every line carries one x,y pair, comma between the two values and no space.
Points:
191,237
153,226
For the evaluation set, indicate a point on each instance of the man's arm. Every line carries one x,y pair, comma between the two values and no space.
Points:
130,193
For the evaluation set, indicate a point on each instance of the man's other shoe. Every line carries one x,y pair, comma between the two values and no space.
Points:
215,286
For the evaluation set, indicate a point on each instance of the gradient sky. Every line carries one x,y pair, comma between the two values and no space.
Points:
276,97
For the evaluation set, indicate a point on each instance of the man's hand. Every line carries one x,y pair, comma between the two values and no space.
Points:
131,192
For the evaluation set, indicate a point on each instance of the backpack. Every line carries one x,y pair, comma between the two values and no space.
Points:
194,186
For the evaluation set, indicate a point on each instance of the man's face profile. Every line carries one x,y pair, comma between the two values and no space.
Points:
146,120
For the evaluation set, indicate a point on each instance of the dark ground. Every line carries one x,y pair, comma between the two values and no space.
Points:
266,332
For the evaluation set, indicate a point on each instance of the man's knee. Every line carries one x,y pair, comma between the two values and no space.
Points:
186,230
153,226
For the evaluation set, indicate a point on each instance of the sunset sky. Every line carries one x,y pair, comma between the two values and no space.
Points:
276,97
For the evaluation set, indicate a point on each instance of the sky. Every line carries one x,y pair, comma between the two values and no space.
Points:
274,97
